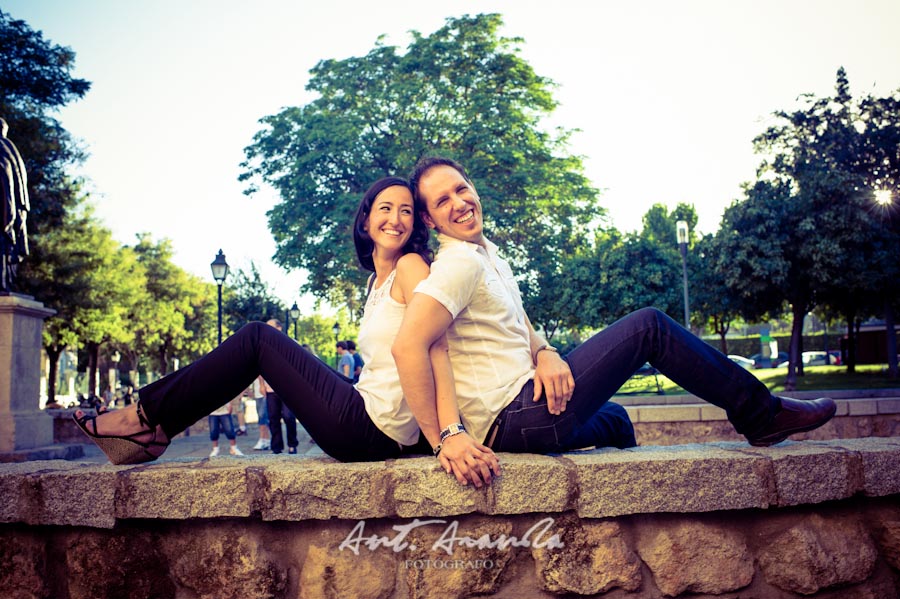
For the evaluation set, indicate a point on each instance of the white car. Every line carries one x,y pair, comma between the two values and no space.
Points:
742,361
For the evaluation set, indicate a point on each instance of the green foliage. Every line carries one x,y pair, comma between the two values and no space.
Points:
250,298
177,314
463,92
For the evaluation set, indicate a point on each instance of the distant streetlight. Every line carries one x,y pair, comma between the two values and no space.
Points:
681,230
219,272
883,197
336,329
295,314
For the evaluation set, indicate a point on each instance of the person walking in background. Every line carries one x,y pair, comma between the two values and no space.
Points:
278,411
345,364
220,421
240,405
262,412
357,360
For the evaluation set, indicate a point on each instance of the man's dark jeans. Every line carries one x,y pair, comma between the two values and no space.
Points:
603,363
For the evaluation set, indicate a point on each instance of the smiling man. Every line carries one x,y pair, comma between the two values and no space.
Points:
514,392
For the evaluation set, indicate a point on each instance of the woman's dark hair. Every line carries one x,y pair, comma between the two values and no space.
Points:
423,166
418,240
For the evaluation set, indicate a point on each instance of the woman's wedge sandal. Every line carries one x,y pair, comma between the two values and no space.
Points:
125,449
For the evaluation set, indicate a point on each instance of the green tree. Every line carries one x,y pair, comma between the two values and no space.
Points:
92,283
177,316
250,298
712,305
462,91
35,81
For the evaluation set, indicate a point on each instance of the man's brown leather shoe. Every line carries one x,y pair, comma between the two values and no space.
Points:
795,416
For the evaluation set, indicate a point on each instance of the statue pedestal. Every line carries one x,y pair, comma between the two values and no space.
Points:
22,424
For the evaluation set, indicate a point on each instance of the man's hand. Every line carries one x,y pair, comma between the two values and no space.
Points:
468,460
553,377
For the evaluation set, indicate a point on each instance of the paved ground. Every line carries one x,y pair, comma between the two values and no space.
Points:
198,446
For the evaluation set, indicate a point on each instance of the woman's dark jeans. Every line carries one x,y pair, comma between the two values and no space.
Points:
603,363
325,403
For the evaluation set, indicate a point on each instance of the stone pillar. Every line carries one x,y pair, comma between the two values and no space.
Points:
22,424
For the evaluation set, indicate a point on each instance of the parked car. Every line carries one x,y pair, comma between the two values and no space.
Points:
742,361
818,358
771,362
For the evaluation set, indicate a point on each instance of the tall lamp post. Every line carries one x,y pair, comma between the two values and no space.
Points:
219,272
336,329
681,230
295,315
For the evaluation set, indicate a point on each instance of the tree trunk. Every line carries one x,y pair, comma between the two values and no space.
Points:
851,341
53,353
93,358
799,314
891,338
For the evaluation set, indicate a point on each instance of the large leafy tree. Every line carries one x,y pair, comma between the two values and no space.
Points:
35,81
462,91
250,298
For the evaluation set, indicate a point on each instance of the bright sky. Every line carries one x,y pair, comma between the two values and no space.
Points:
667,94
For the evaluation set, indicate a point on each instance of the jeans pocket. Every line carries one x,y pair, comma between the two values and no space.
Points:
548,438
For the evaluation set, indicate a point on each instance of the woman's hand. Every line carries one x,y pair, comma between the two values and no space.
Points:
553,377
468,460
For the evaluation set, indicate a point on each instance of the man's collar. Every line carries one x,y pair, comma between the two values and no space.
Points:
447,241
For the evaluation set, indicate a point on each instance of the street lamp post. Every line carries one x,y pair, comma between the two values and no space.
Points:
336,329
681,229
219,272
295,315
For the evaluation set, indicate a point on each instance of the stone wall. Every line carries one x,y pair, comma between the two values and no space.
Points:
809,519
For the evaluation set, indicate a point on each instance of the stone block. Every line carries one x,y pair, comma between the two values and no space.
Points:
710,412
23,574
843,408
693,556
669,413
596,557
329,573
862,407
421,488
817,553
74,496
323,488
686,478
889,406
178,490
530,483
806,473
223,561
880,458
633,413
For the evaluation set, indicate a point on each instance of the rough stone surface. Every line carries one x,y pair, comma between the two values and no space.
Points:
807,473
104,565
440,567
596,558
223,562
181,490
880,461
530,483
323,488
329,573
694,556
625,482
421,487
884,522
23,562
818,553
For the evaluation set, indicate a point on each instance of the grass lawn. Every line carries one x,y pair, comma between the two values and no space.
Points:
867,376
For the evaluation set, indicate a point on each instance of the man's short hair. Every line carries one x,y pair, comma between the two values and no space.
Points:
341,344
351,344
426,164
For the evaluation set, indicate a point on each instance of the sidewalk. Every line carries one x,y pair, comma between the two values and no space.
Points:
198,446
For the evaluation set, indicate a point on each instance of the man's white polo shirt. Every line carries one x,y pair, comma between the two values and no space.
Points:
488,338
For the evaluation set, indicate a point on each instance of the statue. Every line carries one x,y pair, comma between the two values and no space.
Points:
15,207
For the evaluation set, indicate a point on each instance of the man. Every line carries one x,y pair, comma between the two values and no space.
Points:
357,360
514,392
345,360
277,410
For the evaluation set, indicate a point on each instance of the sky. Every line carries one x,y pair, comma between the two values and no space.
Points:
666,95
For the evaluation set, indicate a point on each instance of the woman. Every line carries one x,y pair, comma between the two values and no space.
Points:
366,422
